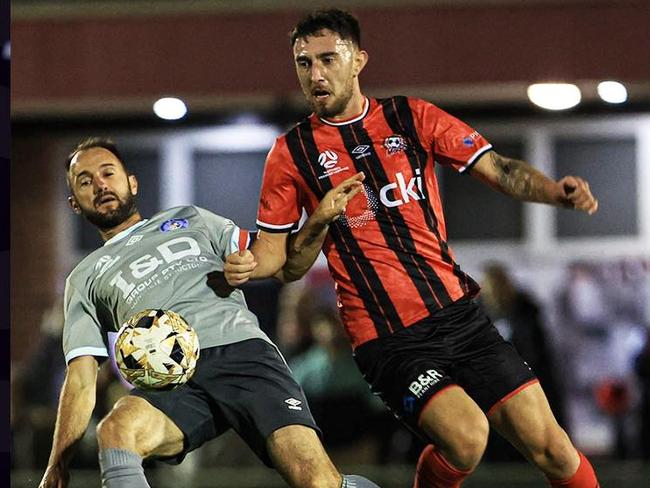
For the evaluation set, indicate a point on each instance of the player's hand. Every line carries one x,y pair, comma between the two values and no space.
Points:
56,476
333,204
576,194
238,267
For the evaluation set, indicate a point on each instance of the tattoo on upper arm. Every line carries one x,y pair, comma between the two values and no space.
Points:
518,178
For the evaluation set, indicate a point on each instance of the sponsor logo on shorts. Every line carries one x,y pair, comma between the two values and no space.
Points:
408,403
424,382
293,404
173,224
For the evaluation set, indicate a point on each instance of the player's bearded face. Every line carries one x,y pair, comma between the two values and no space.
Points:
102,190
108,216
325,68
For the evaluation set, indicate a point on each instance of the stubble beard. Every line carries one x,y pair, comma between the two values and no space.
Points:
337,107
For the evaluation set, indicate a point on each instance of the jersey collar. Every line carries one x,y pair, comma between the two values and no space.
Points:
364,112
126,232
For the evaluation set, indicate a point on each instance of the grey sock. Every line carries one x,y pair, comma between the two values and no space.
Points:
354,481
121,469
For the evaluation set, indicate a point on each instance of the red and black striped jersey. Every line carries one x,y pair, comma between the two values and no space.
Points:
388,253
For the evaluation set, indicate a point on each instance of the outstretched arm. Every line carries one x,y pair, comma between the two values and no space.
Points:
76,405
289,258
520,180
303,247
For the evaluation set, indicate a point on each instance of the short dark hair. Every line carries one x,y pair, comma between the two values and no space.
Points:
91,142
334,19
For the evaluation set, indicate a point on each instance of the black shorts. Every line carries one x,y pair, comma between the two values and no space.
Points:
246,386
457,345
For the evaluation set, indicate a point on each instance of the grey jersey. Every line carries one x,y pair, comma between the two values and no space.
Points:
163,262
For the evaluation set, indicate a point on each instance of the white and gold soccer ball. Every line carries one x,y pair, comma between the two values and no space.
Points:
156,349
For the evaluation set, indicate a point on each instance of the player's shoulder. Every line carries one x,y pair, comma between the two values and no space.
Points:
208,217
305,123
181,215
402,103
84,268
402,99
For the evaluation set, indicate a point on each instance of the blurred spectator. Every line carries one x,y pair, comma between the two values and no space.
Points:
339,398
643,371
355,426
518,318
36,386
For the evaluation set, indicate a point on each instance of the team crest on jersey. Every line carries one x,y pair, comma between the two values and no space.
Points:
173,224
394,144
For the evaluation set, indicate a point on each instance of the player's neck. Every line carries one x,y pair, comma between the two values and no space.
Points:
354,108
113,231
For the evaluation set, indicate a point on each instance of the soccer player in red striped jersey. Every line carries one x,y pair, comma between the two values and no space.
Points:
420,340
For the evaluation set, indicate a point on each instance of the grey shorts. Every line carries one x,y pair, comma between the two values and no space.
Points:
245,386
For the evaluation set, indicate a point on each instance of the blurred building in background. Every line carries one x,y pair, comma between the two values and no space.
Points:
82,68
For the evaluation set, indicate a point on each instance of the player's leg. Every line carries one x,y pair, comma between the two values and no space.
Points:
262,402
526,420
459,431
134,430
299,456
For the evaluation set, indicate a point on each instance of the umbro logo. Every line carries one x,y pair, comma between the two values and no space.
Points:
133,239
361,151
293,404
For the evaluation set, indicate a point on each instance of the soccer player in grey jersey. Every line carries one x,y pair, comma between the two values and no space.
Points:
168,262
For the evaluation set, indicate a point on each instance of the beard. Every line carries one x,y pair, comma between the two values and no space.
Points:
107,220
337,106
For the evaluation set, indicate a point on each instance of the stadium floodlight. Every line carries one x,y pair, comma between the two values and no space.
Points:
170,108
612,91
554,96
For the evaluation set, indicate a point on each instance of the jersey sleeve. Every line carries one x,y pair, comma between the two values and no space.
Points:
224,234
279,207
82,332
453,142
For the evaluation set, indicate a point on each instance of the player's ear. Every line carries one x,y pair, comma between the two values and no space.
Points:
74,205
361,59
133,184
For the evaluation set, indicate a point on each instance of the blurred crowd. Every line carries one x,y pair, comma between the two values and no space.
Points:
593,363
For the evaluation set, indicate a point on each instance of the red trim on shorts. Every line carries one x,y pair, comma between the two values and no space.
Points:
510,395
432,397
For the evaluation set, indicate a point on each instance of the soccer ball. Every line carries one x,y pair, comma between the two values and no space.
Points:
156,349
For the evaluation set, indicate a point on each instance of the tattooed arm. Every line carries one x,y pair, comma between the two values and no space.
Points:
520,180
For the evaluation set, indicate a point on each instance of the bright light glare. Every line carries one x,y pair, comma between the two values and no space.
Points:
170,108
554,96
612,91
6,50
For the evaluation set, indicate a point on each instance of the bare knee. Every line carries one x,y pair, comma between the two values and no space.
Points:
554,453
132,425
116,431
464,446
